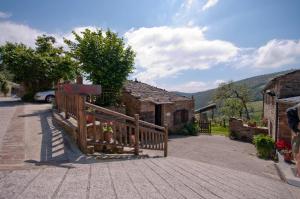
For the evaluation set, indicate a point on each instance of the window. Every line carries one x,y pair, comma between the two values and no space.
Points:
181,116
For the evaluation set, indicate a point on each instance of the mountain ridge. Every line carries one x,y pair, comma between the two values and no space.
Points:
255,84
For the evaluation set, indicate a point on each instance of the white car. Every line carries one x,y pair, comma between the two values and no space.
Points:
47,96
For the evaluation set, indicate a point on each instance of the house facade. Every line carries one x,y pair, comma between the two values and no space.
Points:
157,106
279,94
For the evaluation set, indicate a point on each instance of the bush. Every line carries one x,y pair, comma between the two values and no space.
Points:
264,145
190,129
28,97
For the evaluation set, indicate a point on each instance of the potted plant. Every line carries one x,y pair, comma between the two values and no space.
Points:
108,132
264,145
89,118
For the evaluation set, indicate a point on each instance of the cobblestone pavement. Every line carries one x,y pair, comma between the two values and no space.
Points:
59,171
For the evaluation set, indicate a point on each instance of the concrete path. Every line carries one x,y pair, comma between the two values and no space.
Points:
29,137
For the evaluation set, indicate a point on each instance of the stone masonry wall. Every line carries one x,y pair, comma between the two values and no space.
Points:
270,113
131,103
244,132
284,132
169,110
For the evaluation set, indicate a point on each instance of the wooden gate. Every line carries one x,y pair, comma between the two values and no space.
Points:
204,127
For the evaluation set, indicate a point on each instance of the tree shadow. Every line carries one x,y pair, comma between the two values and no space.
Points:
10,102
57,149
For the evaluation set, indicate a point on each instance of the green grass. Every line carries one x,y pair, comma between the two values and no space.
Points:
219,130
255,109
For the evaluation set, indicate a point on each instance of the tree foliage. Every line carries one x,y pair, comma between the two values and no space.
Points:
37,68
104,57
232,99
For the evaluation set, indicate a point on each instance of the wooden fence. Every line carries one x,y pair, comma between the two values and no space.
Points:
93,122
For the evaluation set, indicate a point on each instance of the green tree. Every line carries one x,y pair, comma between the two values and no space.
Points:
105,59
4,87
233,98
38,69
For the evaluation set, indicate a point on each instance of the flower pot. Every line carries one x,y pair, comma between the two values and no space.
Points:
287,156
89,118
132,139
108,136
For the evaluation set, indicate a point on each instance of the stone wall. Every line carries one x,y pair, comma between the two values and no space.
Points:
284,132
169,109
270,113
146,110
244,132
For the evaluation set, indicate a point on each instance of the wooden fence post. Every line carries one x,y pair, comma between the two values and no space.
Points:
82,124
137,131
166,141
66,106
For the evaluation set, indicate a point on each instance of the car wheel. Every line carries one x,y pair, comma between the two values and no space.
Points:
49,98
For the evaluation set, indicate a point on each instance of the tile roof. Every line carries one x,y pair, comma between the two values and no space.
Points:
295,99
272,81
146,92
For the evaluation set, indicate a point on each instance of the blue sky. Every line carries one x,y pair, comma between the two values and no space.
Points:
185,45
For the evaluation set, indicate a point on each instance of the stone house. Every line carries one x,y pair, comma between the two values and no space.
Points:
279,94
157,106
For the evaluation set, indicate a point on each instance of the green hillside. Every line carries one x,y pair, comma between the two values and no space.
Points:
255,84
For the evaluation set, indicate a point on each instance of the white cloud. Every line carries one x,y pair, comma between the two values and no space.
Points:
166,51
4,15
274,54
278,53
20,33
13,32
194,86
209,4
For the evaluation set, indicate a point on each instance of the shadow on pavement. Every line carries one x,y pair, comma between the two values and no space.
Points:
57,149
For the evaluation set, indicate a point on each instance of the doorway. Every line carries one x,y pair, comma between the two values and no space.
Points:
158,114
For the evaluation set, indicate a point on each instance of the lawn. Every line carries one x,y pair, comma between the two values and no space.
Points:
219,130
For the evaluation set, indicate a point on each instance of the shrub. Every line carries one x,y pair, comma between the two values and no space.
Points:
264,145
28,97
190,129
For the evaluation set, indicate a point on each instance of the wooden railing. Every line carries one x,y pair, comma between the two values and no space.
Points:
127,131
66,103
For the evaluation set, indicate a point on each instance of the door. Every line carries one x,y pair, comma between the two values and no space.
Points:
158,114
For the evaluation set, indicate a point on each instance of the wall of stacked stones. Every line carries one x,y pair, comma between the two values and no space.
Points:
284,131
243,132
169,110
270,113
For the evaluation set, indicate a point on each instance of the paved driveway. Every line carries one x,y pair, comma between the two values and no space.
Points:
221,151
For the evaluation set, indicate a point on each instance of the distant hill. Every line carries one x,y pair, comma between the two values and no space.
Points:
256,84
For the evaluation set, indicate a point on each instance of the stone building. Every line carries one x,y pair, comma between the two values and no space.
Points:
157,106
279,94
